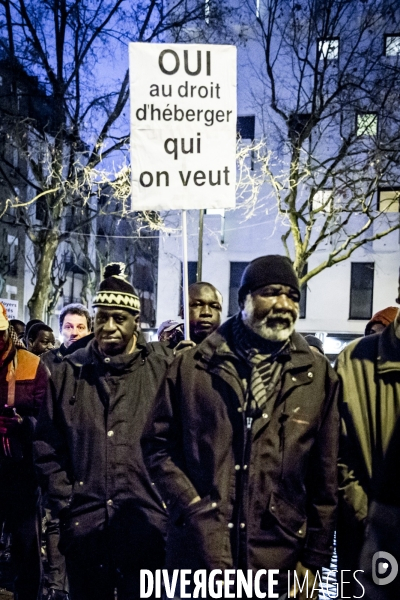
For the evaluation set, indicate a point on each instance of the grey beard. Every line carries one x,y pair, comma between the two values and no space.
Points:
278,332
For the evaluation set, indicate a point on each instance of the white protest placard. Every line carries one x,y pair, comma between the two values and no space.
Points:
11,307
183,126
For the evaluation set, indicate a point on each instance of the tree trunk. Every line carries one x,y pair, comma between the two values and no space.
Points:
38,302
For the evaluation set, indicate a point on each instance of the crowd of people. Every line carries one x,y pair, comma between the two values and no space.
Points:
236,447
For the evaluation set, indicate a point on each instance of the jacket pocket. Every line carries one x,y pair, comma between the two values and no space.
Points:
286,515
202,506
196,539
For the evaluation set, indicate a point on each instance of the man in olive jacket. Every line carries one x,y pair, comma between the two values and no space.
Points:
368,369
112,520
242,443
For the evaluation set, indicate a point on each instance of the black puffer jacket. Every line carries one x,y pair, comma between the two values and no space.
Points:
88,448
261,509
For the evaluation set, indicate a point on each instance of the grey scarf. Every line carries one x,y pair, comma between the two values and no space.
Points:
265,360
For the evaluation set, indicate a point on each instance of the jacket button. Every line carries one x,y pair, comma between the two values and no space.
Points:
237,467
81,483
110,433
240,409
242,525
310,375
230,525
110,502
107,360
77,523
264,416
244,467
272,508
294,379
213,505
300,531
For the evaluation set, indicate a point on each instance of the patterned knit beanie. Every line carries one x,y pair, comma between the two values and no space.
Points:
115,291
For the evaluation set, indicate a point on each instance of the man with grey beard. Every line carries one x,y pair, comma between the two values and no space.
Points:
242,443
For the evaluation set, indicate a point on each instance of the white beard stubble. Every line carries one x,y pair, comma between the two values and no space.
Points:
278,332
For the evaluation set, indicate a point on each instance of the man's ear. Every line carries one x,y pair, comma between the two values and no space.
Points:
30,343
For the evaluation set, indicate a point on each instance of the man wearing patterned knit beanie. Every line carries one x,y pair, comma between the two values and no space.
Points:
112,519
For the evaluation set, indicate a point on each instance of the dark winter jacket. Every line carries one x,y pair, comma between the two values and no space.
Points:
55,356
369,371
30,390
382,531
88,449
263,506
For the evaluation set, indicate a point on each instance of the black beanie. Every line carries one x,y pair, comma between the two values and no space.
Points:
115,291
267,270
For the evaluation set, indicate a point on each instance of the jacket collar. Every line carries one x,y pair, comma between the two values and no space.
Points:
388,358
77,345
220,344
91,355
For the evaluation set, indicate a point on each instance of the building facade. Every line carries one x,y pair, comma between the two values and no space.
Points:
318,102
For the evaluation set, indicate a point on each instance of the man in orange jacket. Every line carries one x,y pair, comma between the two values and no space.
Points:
23,382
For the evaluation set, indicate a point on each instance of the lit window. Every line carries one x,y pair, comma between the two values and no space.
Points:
392,45
329,48
367,124
389,201
322,201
